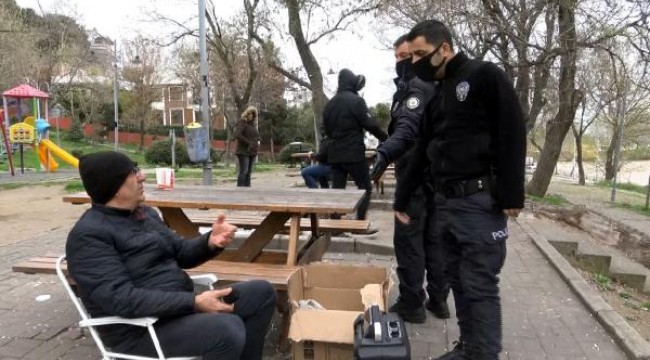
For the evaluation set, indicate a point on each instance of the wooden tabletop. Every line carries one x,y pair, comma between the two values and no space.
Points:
319,201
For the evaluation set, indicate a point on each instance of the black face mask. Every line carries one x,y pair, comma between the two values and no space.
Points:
404,68
423,68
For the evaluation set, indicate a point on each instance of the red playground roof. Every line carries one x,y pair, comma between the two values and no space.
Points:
25,91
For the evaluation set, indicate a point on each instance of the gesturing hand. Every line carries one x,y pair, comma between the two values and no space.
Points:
378,168
210,301
403,217
222,232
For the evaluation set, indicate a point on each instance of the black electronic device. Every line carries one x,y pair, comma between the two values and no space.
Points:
380,335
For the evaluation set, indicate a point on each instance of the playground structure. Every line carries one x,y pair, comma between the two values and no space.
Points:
33,130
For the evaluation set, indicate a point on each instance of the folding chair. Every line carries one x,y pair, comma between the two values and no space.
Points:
90,323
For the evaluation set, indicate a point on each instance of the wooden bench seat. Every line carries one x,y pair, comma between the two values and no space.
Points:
226,271
388,175
329,225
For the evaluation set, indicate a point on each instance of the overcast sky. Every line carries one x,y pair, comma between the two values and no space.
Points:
124,19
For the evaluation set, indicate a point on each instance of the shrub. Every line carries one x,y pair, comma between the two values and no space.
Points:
287,150
76,132
159,153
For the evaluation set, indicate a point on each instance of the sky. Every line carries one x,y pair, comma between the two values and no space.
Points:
363,53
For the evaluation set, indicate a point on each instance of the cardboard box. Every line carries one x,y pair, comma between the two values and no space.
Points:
345,292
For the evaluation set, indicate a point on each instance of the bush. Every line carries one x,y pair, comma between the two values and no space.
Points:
76,132
287,150
159,153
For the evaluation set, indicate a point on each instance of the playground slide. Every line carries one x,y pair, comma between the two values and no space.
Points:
55,150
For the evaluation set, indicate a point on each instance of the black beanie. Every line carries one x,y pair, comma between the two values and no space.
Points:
103,173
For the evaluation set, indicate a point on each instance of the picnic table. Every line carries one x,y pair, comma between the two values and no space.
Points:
283,205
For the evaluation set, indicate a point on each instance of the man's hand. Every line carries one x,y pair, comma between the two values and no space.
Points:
210,301
403,217
378,168
513,213
222,232
310,155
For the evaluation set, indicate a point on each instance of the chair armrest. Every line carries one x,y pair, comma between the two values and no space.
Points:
204,279
111,320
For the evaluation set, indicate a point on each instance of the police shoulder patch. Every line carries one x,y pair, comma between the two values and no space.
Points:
413,103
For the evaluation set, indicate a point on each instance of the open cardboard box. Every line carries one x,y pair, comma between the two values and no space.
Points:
345,291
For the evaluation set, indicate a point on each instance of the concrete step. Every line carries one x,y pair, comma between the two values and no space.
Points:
567,248
630,273
593,258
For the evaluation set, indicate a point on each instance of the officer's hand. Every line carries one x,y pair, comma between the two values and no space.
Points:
513,213
211,301
378,168
403,217
310,155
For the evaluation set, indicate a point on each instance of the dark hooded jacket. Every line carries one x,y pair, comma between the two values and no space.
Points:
130,264
345,118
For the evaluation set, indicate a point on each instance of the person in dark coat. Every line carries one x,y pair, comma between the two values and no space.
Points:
417,249
248,141
475,150
345,119
127,263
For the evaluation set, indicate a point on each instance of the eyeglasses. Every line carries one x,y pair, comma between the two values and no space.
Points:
136,170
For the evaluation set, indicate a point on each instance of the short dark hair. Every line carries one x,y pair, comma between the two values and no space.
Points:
400,40
434,31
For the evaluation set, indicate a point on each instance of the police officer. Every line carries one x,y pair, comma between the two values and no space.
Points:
475,148
415,245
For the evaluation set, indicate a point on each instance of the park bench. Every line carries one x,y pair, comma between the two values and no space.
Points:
325,225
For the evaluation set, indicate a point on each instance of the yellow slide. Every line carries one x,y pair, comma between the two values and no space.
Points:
46,145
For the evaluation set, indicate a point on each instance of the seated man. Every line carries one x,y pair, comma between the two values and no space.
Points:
127,263
318,173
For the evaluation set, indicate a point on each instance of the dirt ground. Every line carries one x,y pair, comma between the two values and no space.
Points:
34,210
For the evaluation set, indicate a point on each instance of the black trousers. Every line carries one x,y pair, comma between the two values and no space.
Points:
235,336
418,251
245,163
473,231
359,173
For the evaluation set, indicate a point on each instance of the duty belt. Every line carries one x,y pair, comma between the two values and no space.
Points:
463,188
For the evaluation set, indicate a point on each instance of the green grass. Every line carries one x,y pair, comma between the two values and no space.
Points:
625,295
73,186
550,199
645,306
12,186
221,172
603,281
623,186
640,209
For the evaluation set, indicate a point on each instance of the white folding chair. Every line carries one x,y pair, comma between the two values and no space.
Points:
90,323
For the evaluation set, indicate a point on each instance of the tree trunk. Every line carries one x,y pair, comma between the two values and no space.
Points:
581,169
557,128
310,63
142,133
609,161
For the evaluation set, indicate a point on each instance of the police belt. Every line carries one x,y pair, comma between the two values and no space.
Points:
462,188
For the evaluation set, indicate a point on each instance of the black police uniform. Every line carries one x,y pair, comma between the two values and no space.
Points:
414,251
476,149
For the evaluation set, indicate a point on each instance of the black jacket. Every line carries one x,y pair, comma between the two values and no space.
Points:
344,119
130,265
475,128
407,111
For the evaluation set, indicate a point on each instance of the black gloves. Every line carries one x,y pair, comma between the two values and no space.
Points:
378,168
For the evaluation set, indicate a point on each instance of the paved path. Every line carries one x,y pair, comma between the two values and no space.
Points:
543,318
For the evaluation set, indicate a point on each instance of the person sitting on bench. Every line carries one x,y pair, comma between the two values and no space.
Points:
127,263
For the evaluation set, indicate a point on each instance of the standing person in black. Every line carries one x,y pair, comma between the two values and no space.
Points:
416,247
345,118
475,148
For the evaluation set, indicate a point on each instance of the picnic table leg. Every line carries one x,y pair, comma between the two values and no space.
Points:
294,233
176,220
252,247
283,309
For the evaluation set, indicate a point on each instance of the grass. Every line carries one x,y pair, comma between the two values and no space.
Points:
550,199
73,186
625,295
603,281
85,147
12,186
640,209
221,172
645,306
623,186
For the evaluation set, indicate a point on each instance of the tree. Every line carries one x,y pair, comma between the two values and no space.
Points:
143,73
